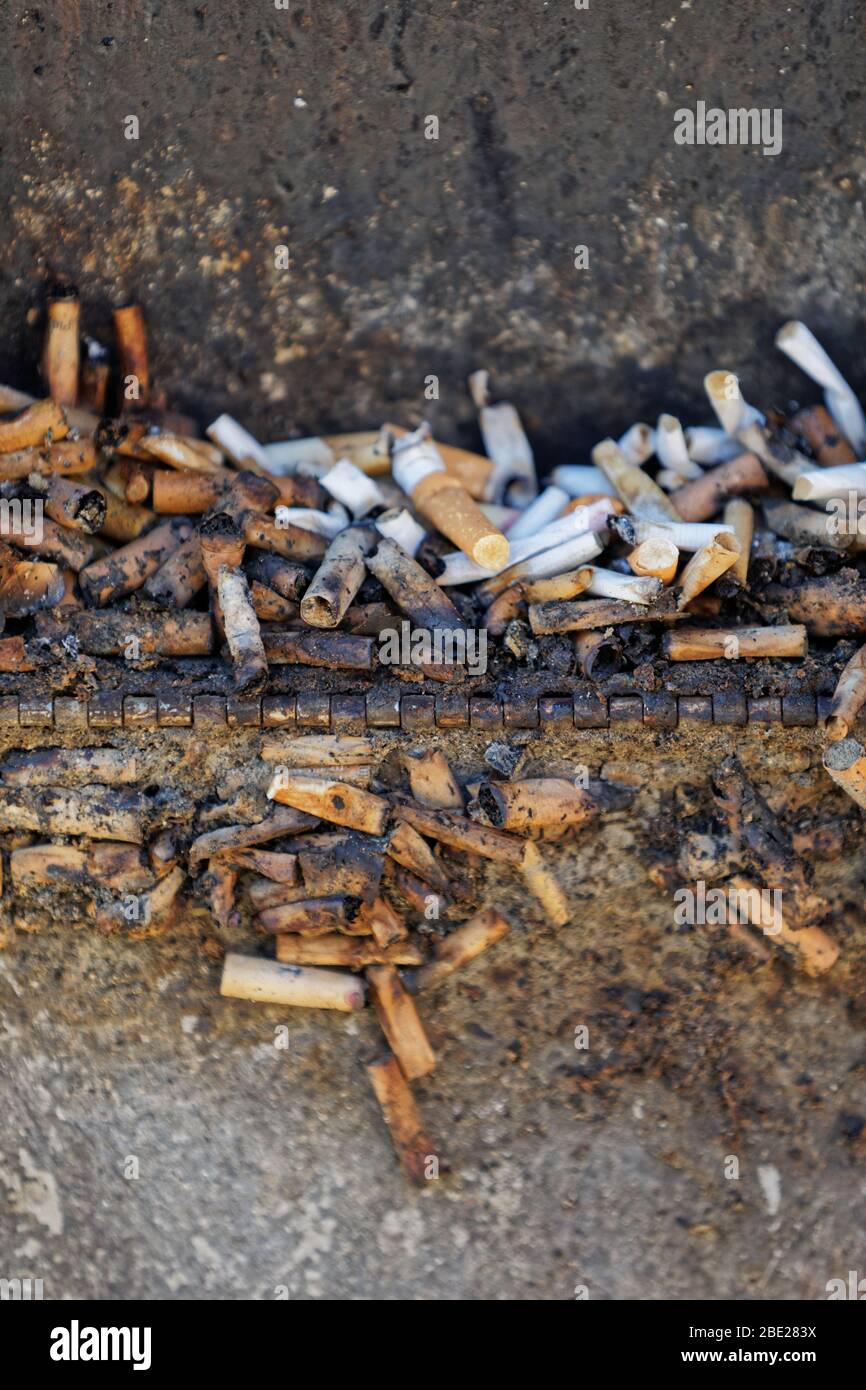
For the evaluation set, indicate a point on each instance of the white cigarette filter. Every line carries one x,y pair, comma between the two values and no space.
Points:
286,455
547,563
630,588
638,444
672,450
327,524
830,482
726,398
709,444
579,478
400,526
235,441
506,444
459,569
800,344
269,982
357,491
503,517
546,508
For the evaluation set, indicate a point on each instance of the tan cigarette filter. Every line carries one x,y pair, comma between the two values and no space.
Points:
641,495
657,559
707,565
815,952
535,803
412,1145
849,697
131,336
183,493
845,761
701,499
44,421
60,358
740,515
333,801
544,886
431,780
736,643
350,952
822,434
71,504
561,586
400,1023
269,982
125,570
461,946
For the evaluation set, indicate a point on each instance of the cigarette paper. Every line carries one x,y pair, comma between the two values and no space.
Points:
236,442
577,478
60,355
830,482
701,499
332,801
242,631
419,470
459,569
812,948
656,558
413,1147
740,516
706,566
556,560
355,489
398,525
125,570
269,982
637,444
637,490
546,508
610,584
849,697
505,443
744,643
461,946
672,450
801,345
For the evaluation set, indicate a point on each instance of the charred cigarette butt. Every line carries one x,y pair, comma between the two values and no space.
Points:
131,341
813,950
292,542
44,421
598,654
61,766
823,436
461,946
503,610
706,565
72,504
222,545
183,575
180,453
386,927
743,643
803,526
67,548
27,585
400,1023
801,345
220,883
701,499
319,750
286,579
13,652
269,606
335,650
277,866
100,813
640,494
339,577
419,470
341,863
586,614
849,697
350,952
242,631
60,354
65,458
412,589
311,916
544,886
125,570
535,803
94,377
409,849
412,1145
456,830
740,516
505,442
845,760
269,982
333,801
562,586
113,633
282,821
122,523
431,780
654,559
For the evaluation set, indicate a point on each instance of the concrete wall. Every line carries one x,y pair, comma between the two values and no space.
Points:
304,127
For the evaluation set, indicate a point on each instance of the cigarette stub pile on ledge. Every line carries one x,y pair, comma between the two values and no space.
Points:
125,534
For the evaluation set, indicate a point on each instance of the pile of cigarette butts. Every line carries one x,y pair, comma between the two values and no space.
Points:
126,533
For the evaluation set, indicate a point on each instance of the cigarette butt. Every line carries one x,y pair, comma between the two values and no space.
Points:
656,559
53,542
505,442
461,946
825,483
65,458
412,1145
71,504
610,584
339,576
503,610
292,542
220,883
849,697
345,863
125,570
44,421
351,952
573,529
269,606
412,589
68,766
181,453
801,345
27,585
269,982
561,586
638,443
845,760
823,436
699,500
237,443
282,821
287,579
456,830
355,489
123,523
311,916
672,450
386,927
399,526
400,1023
183,575
182,493
598,654
543,885
740,516
814,951
61,352
131,341
415,891
637,490
319,750
242,631
587,614
333,801
94,378
535,803
277,866
803,526
744,643
409,849
11,400
559,559
334,650
101,813
431,780
706,565
578,479
613,504
708,444
419,470
546,508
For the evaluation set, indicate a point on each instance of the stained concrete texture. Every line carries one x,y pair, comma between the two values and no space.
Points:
306,127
